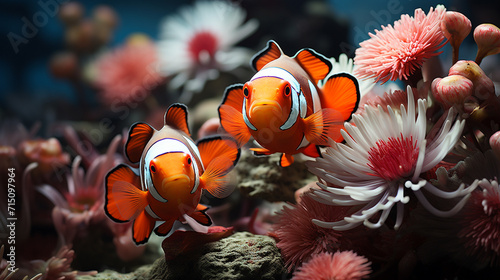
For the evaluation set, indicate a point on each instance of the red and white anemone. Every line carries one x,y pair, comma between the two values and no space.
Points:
384,154
198,42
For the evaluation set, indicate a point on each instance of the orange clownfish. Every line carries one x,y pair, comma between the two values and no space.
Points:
282,107
173,171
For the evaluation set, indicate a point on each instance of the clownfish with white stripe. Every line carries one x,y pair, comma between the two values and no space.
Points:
173,171
282,107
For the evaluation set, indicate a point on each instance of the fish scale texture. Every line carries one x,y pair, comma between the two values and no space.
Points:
240,256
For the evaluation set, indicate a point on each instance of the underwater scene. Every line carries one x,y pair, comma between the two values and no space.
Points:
249,139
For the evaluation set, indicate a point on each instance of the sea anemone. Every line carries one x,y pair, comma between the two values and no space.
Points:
47,153
384,155
298,238
83,203
480,223
59,266
495,144
345,265
129,73
7,271
393,99
484,88
397,52
198,42
452,90
455,27
487,37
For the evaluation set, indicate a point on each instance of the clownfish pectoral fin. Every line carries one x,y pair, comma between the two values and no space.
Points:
232,122
165,228
214,179
311,150
138,137
142,228
322,125
315,64
341,93
233,96
124,199
200,216
286,160
270,53
230,114
176,117
218,146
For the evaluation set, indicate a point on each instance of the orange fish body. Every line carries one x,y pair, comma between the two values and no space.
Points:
173,171
283,109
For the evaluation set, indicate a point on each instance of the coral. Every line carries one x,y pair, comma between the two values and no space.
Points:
299,238
345,265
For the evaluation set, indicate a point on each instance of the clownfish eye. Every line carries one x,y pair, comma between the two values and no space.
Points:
246,92
153,168
288,90
189,160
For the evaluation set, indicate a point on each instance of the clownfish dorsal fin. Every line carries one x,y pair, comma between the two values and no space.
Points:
270,53
315,64
138,138
176,117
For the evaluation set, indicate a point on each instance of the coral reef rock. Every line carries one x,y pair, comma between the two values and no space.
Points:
239,256
262,177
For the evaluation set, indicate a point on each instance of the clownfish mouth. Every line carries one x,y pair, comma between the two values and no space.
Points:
263,111
176,180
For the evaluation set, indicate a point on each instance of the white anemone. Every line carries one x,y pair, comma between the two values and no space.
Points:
197,43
